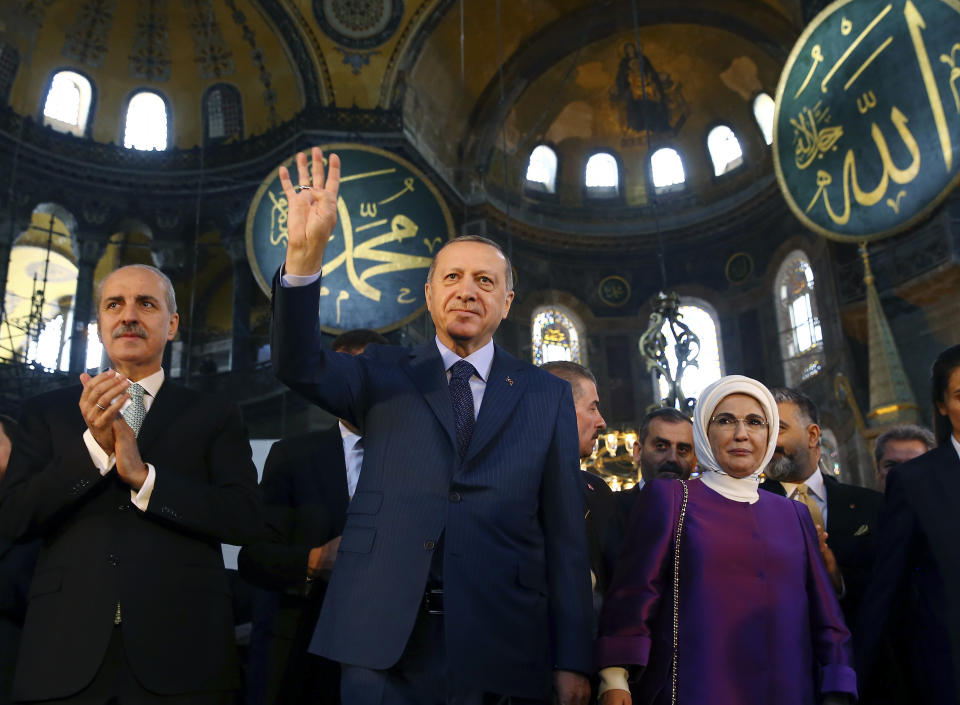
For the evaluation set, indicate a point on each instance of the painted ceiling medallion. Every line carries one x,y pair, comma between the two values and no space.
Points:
359,24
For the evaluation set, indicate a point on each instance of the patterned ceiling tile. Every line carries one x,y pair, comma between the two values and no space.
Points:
256,53
213,56
150,55
86,39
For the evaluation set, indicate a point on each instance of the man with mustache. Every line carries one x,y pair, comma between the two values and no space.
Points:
462,574
846,516
664,447
132,491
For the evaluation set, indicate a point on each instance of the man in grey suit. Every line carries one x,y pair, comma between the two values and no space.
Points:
462,574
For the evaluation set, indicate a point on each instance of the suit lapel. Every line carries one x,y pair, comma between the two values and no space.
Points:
425,368
774,487
839,512
163,414
505,386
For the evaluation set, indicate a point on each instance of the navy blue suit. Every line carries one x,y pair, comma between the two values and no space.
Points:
515,567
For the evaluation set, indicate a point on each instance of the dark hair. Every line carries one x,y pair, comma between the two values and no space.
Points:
11,429
802,401
667,413
946,363
903,432
569,371
353,341
474,238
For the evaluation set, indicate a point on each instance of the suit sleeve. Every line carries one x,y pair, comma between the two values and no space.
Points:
41,485
276,563
225,505
632,603
334,381
568,563
898,537
832,646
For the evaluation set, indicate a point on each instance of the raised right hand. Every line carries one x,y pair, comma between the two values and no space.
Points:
616,697
100,404
311,213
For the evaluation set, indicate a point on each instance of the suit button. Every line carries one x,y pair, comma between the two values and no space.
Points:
113,560
123,507
454,496
429,545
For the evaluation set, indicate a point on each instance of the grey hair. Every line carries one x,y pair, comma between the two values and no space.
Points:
474,238
904,432
569,371
169,295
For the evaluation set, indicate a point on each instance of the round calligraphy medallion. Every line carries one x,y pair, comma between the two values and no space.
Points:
614,290
867,123
391,221
359,24
739,268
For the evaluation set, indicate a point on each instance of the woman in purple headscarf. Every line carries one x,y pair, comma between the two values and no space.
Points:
756,620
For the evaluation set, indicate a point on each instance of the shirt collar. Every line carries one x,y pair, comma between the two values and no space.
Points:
814,484
956,443
350,439
151,383
482,359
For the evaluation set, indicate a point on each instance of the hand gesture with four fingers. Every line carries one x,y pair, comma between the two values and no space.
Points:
100,404
311,211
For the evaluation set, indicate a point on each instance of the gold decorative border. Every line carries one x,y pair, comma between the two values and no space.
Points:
618,278
726,267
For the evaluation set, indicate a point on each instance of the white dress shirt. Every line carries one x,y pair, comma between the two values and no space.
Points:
956,443
352,456
815,488
104,463
482,361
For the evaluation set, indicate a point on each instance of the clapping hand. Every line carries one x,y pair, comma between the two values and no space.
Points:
100,404
130,466
311,212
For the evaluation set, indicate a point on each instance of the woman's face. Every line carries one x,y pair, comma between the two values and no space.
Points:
949,406
737,433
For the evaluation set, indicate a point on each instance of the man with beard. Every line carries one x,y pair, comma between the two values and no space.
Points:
664,448
846,516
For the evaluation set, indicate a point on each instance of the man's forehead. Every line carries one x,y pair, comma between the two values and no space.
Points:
469,256
132,282
671,430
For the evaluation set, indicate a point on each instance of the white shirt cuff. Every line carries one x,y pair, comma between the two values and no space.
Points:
142,498
103,462
612,678
295,280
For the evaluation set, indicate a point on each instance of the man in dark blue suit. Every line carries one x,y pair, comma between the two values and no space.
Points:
462,574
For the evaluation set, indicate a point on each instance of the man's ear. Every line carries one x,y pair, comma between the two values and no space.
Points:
174,325
506,307
813,431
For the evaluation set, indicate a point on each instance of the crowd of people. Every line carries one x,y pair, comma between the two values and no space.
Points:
441,544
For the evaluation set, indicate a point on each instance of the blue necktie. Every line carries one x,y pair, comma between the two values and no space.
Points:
462,398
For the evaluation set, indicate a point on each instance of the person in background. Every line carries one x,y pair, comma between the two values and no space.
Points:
913,600
664,448
307,484
897,446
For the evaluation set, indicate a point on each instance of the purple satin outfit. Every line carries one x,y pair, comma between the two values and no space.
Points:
759,621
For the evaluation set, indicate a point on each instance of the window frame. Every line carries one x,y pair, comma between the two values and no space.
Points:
575,322
85,126
205,111
537,189
756,122
795,366
602,194
711,127
126,109
673,189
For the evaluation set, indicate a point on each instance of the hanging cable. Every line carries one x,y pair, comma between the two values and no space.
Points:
188,365
503,131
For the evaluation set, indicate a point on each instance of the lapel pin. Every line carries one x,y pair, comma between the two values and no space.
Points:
509,381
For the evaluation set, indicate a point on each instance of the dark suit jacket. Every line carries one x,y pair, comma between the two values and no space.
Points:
304,490
164,566
914,596
16,572
853,515
604,528
515,567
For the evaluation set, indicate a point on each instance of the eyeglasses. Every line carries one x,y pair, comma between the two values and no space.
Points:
753,423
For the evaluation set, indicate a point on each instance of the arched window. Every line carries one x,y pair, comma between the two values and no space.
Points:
542,170
801,340
223,111
601,177
666,168
146,123
763,108
725,150
702,320
67,106
556,334
9,63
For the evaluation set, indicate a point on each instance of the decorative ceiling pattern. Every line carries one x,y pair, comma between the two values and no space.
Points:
211,53
86,39
150,54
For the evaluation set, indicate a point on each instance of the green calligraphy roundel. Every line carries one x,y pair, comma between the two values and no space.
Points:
391,221
867,123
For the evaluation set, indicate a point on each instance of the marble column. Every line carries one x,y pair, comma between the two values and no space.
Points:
242,291
91,250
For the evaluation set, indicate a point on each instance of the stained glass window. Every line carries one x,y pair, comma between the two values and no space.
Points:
542,170
556,334
666,168
602,175
801,337
763,108
725,150
146,124
703,323
67,106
